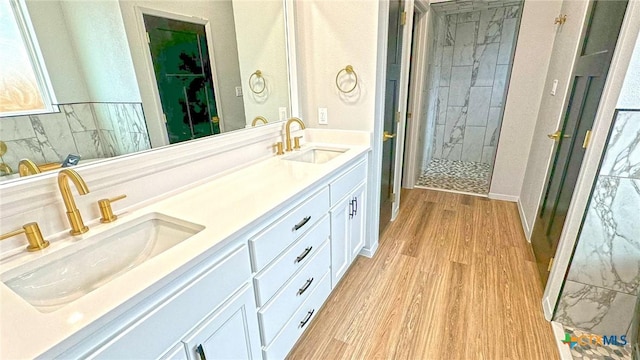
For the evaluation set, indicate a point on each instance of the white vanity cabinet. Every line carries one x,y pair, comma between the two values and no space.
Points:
348,194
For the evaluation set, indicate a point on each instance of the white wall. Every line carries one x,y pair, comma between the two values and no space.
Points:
98,34
261,46
331,35
551,111
58,51
630,96
530,64
218,14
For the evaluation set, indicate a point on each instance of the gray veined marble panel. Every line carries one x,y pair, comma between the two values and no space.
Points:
622,157
89,144
109,143
23,149
445,70
479,99
599,311
454,128
103,116
451,151
499,84
54,135
439,142
493,127
79,116
16,128
460,85
488,155
463,47
472,146
449,30
484,65
608,250
512,12
442,105
490,26
468,17
507,40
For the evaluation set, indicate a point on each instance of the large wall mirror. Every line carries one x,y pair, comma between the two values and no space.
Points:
134,75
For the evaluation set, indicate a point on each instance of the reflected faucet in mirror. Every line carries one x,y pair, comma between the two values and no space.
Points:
6,169
288,130
27,167
73,214
258,118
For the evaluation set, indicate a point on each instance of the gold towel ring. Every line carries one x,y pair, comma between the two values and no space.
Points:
258,75
349,70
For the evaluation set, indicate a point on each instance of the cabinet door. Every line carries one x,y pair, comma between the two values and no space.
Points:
356,226
229,333
340,240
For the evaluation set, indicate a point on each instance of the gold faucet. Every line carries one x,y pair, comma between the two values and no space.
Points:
288,130
73,214
28,167
258,118
5,169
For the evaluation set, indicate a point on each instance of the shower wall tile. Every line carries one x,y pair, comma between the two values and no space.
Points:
507,39
89,144
442,105
16,128
445,70
460,85
490,26
464,44
623,151
54,135
473,143
597,310
488,155
439,142
450,30
451,151
17,150
484,65
500,79
79,116
454,128
468,17
479,100
493,127
512,12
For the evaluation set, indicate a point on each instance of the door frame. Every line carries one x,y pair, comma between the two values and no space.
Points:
419,68
157,129
591,161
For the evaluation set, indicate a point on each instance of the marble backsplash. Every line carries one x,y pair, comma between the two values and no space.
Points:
473,59
604,277
91,130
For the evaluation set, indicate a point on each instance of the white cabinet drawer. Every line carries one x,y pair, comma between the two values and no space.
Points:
276,274
267,245
151,335
276,313
344,184
297,324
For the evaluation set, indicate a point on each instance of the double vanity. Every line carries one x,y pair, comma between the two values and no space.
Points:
235,267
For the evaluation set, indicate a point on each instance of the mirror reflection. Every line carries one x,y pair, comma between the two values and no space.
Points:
129,76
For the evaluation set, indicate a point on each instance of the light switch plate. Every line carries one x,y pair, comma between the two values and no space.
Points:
282,113
322,116
554,87
238,91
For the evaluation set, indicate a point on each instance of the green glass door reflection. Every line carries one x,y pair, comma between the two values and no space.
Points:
183,73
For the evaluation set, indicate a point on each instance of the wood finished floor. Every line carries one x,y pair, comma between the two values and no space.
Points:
453,278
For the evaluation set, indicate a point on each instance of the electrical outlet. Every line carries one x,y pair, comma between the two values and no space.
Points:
322,116
238,91
282,113
554,87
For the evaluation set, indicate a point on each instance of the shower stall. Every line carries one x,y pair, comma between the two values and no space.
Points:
470,58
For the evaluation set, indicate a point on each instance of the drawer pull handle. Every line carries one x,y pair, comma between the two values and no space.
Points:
304,287
351,211
355,206
301,223
200,351
306,319
303,255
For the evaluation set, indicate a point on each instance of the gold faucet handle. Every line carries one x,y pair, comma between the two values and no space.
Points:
34,236
279,149
296,142
106,211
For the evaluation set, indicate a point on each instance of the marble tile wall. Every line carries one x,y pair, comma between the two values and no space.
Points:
91,130
474,51
602,284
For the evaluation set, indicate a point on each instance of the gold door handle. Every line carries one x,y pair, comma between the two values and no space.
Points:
386,136
556,135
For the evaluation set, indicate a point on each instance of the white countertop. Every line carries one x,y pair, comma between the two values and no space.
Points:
225,206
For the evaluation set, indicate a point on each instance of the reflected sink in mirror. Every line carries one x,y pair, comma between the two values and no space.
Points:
317,155
51,281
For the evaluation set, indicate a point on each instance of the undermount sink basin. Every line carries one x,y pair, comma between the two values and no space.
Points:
51,281
316,155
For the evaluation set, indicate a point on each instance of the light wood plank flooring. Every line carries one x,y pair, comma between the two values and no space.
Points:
453,278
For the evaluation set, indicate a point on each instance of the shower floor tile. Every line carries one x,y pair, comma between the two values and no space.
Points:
596,351
464,176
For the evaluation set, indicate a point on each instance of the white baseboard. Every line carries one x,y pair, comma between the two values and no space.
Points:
504,197
558,334
369,252
547,308
525,225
